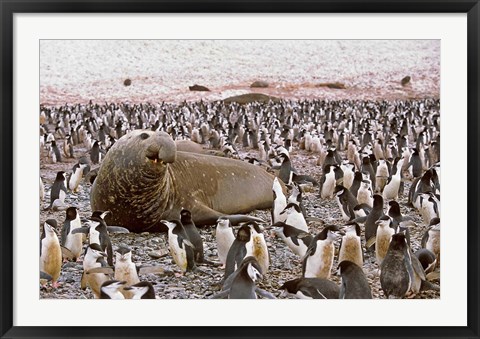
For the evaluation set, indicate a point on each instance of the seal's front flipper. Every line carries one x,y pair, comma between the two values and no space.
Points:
236,219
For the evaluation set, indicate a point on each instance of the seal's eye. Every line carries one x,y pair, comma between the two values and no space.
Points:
144,136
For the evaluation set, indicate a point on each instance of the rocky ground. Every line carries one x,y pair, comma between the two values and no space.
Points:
77,71
151,248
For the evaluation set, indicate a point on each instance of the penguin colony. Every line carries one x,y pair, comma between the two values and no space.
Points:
373,177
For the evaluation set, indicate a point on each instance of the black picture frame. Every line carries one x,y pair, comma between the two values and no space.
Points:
10,7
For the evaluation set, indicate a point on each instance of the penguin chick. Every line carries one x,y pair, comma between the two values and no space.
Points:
351,246
112,289
141,290
72,242
238,251
50,251
312,288
354,283
93,259
318,261
224,237
181,249
279,202
241,283
297,240
396,276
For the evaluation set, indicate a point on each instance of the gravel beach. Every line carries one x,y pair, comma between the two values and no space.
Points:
162,71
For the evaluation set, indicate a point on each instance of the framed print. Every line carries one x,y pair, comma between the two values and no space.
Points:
205,151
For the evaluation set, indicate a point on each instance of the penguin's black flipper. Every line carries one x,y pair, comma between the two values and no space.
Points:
65,231
360,220
117,229
109,252
221,295
312,292
236,219
264,294
429,286
83,229
417,266
301,179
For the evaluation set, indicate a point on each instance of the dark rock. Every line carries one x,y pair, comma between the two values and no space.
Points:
198,88
251,97
406,80
334,85
259,84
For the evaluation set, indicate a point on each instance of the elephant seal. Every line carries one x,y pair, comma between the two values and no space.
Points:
144,179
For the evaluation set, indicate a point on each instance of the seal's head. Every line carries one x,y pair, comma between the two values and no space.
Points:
140,147
133,180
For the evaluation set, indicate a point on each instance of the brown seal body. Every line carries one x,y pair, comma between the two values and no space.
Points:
144,179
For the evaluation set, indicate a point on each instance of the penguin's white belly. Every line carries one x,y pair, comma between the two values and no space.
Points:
345,216
74,243
433,245
298,250
390,191
348,179
381,180
51,258
382,243
278,206
178,254
328,187
75,180
427,211
94,237
300,295
320,264
126,272
364,197
225,239
260,252
351,250
61,196
297,220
